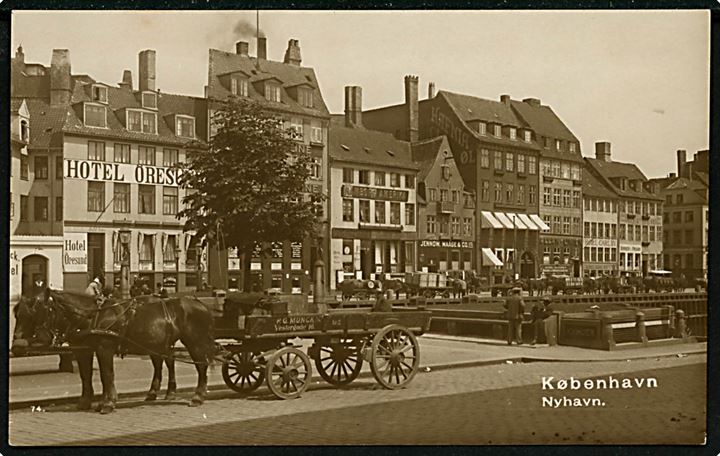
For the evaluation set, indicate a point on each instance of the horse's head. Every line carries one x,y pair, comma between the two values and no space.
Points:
33,320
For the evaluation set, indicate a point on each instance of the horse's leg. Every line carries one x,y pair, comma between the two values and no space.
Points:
157,362
85,361
105,355
172,384
198,355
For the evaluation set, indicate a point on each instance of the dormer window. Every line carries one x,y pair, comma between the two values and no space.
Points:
99,94
24,131
95,115
528,135
239,86
513,133
558,144
149,100
272,92
305,97
482,128
572,147
185,126
141,121
498,131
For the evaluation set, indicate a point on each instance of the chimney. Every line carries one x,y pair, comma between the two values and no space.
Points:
292,53
146,79
602,150
431,90
505,99
353,106
681,160
60,89
532,102
262,48
242,48
20,55
412,108
126,80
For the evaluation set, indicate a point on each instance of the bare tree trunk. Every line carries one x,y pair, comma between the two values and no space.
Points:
247,278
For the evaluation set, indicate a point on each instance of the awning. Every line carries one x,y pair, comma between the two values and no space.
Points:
529,223
539,222
489,221
489,258
516,219
504,220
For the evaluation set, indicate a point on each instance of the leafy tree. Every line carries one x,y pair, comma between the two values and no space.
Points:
248,186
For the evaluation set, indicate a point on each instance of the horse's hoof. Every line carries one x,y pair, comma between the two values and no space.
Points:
98,408
170,396
196,401
150,397
105,409
84,405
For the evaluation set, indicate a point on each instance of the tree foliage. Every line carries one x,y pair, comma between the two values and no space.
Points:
248,186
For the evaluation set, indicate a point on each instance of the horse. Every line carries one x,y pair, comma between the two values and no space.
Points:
539,285
145,325
397,286
460,288
361,288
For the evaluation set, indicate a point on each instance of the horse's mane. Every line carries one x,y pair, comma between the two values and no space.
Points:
70,297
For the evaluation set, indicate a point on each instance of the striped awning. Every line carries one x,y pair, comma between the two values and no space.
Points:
504,219
539,222
489,221
529,223
515,218
489,258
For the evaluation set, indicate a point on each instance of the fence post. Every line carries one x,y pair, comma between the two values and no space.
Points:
671,321
680,324
640,325
606,331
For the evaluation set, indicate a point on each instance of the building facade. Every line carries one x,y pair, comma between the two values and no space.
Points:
446,211
292,92
600,233
373,204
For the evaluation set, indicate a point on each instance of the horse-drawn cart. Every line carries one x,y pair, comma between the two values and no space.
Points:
260,349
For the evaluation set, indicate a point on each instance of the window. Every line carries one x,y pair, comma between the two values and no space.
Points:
556,224
296,124
527,135
566,225
455,196
24,208
547,196
677,217
509,165
498,192
121,198
121,153
239,86
482,128
455,226
348,210
467,226
364,177
555,169
379,178
395,213
558,144
170,200
688,214
679,198
510,193
134,121
409,214
348,175
96,196
593,230
576,198
95,116
521,163
443,194
566,198
364,211
431,225
497,130
432,194
513,133
575,172
557,196
586,232
140,121
532,165
305,97
637,232
532,194
96,150
380,211
58,208
498,160
59,167
484,158
572,147
185,126
99,93
409,181
316,168
689,260
485,191
146,155
652,234
147,250
272,92
521,194
146,199
394,180
565,170
443,226
316,135
41,167
613,231
677,237
149,100
170,157
41,208
169,249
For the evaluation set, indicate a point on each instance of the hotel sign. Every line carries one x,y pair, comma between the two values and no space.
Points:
447,244
75,252
374,193
121,172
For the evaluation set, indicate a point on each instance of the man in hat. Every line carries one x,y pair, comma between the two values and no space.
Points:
515,308
95,289
539,313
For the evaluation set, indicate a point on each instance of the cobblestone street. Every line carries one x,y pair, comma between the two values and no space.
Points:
478,405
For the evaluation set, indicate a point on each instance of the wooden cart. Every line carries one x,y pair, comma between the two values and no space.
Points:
342,340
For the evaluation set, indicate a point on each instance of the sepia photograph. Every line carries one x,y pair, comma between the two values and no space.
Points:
377,227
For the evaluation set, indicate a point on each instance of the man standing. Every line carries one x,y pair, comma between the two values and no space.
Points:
539,313
515,308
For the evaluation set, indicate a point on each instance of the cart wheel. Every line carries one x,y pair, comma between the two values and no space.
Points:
243,372
394,356
288,373
339,364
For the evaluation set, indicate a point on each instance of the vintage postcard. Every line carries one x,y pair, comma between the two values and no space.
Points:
358,227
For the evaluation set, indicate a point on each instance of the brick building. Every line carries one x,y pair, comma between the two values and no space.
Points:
292,92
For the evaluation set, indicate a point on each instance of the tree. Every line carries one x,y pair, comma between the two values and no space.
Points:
248,186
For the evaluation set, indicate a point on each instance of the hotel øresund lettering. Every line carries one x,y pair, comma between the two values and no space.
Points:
75,252
121,172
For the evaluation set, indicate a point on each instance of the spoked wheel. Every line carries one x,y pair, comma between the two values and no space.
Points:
339,364
243,372
288,373
394,356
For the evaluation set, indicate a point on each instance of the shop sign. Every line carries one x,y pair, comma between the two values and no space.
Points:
447,244
601,243
374,193
14,263
629,248
75,252
121,172
296,250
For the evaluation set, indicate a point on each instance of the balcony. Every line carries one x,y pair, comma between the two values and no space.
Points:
445,207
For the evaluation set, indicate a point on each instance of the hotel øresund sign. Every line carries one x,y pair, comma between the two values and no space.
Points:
75,252
121,172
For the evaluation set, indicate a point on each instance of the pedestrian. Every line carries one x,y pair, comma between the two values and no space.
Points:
95,289
515,309
162,291
540,312
135,287
144,289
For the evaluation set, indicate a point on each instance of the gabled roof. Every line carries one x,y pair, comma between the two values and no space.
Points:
471,108
592,186
221,63
544,122
46,123
608,170
425,153
358,145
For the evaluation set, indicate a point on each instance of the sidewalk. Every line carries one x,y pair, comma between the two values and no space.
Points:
36,381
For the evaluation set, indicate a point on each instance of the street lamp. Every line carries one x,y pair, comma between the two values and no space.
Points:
125,264
177,267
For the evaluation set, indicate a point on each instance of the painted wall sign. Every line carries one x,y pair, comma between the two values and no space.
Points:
447,244
601,243
296,250
374,193
630,248
14,263
121,172
75,252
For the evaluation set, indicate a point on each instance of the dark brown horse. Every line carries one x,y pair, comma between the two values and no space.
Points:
144,325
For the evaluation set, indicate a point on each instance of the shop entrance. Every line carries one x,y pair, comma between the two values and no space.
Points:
527,266
34,268
96,255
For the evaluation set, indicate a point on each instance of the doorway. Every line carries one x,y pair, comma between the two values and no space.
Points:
34,268
96,255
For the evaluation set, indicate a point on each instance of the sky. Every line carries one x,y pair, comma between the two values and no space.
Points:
638,79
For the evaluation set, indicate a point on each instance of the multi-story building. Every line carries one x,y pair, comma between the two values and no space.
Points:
104,162
373,208
497,156
560,187
600,234
640,224
686,215
446,219
291,92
